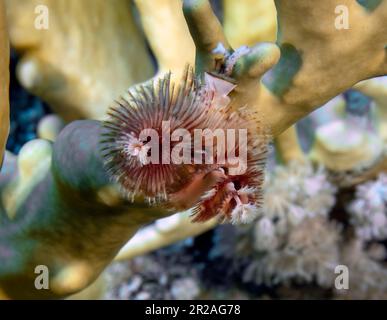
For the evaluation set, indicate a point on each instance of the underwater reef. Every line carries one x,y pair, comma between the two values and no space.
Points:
193,149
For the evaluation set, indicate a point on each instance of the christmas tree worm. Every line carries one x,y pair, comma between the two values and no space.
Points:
73,220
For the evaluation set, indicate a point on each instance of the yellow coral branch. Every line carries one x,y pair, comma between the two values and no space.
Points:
168,35
164,232
288,146
247,22
89,54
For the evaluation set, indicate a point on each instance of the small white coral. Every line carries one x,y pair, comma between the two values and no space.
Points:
292,194
266,238
300,185
368,212
185,289
293,237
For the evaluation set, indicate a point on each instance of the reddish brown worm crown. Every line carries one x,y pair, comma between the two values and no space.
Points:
178,146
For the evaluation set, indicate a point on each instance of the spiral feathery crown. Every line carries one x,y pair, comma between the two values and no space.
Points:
192,105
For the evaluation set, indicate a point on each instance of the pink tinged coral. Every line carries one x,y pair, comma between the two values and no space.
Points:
296,215
314,184
234,57
369,210
379,219
230,59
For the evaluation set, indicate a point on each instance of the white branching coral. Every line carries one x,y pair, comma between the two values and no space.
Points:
294,242
310,254
292,194
293,239
368,212
367,276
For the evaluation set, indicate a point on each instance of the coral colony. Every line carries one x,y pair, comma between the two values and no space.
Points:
193,149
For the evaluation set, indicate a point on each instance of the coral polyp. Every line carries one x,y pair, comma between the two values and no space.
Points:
173,144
